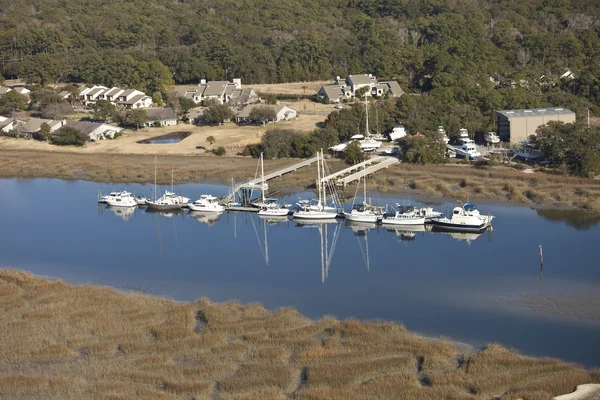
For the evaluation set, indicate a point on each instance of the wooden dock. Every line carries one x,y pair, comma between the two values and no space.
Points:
356,172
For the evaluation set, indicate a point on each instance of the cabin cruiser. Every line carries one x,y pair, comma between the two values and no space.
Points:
398,133
363,213
491,137
428,213
112,195
404,215
467,150
466,219
122,199
141,201
206,203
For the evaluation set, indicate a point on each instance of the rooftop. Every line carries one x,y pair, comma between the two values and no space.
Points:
534,112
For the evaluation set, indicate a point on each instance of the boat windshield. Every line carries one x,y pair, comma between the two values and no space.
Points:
469,207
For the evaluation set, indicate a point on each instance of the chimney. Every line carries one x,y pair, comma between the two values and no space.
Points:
237,82
203,81
337,78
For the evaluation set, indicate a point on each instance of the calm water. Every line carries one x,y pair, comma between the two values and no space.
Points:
170,138
436,284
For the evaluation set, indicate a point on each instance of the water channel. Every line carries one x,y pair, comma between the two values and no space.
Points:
475,289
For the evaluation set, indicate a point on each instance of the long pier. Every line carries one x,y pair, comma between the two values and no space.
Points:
357,171
259,183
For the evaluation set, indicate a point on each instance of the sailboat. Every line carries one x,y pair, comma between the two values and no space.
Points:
368,143
271,209
363,212
168,201
317,211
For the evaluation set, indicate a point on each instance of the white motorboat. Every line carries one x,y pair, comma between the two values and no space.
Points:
364,212
463,133
272,209
404,215
206,203
491,137
122,199
428,213
467,150
141,201
466,219
319,210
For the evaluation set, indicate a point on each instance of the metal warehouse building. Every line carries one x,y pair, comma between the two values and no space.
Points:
517,125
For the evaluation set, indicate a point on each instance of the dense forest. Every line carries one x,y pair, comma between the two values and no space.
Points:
466,58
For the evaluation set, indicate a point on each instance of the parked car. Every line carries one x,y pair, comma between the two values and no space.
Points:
338,106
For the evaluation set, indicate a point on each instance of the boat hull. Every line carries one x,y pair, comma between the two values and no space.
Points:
318,215
205,209
457,227
163,207
274,212
372,219
403,221
122,204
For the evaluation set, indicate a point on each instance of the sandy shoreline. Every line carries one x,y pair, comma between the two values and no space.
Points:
454,182
65,341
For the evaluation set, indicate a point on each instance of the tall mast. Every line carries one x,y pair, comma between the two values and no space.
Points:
155,178
262,178
171,179
322,184
365,184
319,186
367,115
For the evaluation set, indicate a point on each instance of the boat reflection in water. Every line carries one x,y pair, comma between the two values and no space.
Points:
409,232
327,250
468,237
165,213
125,213
204,218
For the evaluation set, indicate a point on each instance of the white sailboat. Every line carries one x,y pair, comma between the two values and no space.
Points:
317,211
363,212
206,203
368,143
271,209
169,200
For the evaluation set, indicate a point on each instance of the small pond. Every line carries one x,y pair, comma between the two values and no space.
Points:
170,138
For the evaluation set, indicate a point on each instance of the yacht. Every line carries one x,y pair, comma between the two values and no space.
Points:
467,150
404,215
271,208
122,199
103,199
463,133
364,212
428,212
491,137
318,211
398,132
466,219
207,203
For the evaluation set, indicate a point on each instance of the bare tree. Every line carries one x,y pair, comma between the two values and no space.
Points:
523,57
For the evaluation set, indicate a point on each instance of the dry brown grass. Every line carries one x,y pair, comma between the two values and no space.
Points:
72,342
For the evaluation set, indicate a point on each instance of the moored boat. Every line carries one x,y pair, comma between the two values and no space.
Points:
122,199
466,219
403,215
206,203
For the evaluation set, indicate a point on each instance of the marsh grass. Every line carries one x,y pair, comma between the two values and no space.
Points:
72,342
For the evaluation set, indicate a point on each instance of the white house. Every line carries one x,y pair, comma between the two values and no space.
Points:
129,98
95,130
282,112
221,91
346,89
163,116
33,126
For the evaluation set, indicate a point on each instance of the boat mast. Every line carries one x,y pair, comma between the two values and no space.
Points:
171,179
367,116
262,178
322,184
319,186
365,184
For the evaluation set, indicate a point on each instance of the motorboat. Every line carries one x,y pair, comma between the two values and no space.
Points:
463,133
168,201
363,213
271,208
528,153
122,199
466,219
467,150
206,203
404,215
318,211
141,201
491,137
103,199
428,213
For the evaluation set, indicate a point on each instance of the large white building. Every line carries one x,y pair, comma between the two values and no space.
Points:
221,91
128,98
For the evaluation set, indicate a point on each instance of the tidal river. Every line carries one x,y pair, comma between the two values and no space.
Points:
470,288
